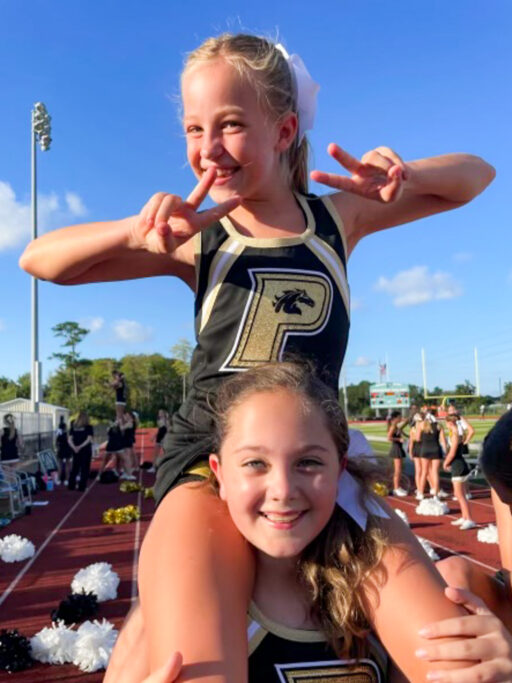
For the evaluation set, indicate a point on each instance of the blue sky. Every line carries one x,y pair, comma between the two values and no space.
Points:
424,78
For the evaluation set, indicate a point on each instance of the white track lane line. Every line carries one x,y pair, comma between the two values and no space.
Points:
449,550
135,591
22,572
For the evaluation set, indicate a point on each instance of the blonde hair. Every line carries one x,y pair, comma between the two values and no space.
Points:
335,565
259,62
82,419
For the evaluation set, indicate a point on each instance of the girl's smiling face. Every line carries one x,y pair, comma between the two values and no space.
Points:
226,128
278,471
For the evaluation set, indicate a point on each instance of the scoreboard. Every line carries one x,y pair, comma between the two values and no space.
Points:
389,395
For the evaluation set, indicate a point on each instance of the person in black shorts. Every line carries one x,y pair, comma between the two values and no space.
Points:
432,447
10,443
395,434
162,424
63,451
80,441
459,469
119,385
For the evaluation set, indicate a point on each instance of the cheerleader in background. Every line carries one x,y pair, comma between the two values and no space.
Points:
119,384
395,435
162,423
432,447
64,452
128,427
414,453
466,432
459,469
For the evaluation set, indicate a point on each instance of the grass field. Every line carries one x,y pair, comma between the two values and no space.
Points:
379,429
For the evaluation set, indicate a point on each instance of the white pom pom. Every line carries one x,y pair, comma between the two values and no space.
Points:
94,644
428,548
433,507
14,548
403,516
97,578
488,535
54,645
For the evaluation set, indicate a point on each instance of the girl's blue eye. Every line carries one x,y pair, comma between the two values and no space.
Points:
254,464
232,124
309,463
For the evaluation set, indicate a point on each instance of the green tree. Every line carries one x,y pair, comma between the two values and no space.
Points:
358,398
507,392
8,389
182,355
23,385
72,334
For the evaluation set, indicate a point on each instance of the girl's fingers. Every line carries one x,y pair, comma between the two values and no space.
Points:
169,204
497,671
394,157
338,182
392,190
344,158
206,218
470,601
472,649
200,191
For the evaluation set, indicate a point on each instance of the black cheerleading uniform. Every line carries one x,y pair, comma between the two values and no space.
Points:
279,654
459,468
397,449
9,445
257,301
429,444
116,439
121,393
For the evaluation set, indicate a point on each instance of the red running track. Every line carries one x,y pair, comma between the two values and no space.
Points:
69,535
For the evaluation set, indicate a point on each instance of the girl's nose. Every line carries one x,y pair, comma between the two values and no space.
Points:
282,485
211,147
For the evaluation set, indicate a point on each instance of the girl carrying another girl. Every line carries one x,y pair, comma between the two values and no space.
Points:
268,268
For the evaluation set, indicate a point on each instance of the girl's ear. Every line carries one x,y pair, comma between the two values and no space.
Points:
287,131
216,468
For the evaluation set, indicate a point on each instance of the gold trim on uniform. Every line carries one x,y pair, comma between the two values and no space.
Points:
221,264
326,254
333,212
282,302
344,671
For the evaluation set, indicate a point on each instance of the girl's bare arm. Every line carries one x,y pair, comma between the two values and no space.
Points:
384,191
397,610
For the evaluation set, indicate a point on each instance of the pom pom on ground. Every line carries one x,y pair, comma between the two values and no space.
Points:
14,548
149,493
54,644
403,516
380,489
97,578
130,487
15,651
428,549
122,515
76,607
94,644
432,507
488,535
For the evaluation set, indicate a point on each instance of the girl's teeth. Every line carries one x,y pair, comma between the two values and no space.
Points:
279,518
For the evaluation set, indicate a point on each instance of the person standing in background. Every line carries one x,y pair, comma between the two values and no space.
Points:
80,442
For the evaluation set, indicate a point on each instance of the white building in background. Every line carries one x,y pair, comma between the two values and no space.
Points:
28,422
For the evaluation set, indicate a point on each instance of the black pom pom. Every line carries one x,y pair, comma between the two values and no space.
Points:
15,651
77,607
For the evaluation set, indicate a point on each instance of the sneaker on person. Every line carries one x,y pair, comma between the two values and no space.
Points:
399,492
469,495
467,524
152,470
442,494
454,498
66,482
458,522
419,496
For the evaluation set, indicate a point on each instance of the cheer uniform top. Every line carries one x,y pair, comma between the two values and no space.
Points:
121,393
9,450
279,654
430,447
257,301
115,441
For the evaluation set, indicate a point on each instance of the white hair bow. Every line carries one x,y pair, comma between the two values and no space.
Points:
306,88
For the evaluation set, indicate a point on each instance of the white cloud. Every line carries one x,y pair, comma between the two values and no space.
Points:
15,215
363,362
356,304
93,324
417,286
462,256
75,204
131,331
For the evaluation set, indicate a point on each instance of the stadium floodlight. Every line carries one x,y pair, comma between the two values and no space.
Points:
40,132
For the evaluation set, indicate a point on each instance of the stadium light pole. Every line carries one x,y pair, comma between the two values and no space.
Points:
40,133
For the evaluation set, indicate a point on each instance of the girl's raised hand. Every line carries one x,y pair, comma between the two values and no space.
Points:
380,174
485,640
167,221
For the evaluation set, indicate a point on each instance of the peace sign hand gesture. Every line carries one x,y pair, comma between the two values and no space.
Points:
167,221
380,174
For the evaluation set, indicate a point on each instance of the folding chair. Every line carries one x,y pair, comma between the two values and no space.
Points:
11,489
